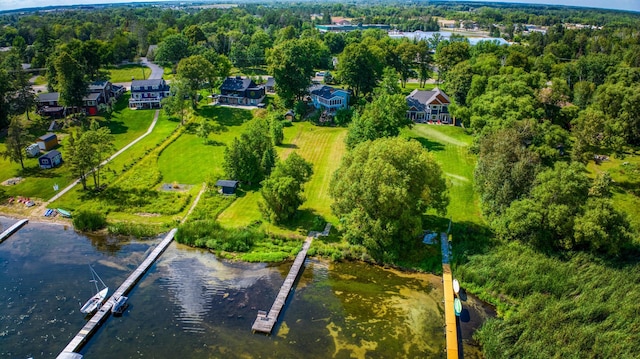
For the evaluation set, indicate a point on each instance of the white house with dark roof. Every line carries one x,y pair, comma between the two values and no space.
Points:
429,106
148,93
328,98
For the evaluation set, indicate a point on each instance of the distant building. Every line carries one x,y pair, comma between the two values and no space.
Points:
50,160
99,92
240,91
429,106
148,93
328,98
347,28
47,142
33,150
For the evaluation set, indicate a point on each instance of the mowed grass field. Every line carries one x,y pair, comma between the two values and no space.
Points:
125,73
449,145
191,159
324,148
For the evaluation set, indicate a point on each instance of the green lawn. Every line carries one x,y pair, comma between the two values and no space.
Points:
189,160
124,73
625,174
40,80
449,145
324,148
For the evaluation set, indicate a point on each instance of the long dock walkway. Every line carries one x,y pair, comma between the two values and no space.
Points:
13,229
449,313
85,333
265,322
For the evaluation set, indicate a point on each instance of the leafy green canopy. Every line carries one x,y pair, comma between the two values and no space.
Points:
381,191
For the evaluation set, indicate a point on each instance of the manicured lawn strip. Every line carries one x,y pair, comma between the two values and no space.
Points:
124,73
243,211
449,145
189,159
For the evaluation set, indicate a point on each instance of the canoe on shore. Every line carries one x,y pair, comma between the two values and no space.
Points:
64,213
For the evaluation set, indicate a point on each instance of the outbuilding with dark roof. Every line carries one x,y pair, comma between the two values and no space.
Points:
227,186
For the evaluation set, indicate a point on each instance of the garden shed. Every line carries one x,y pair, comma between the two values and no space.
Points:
47,142
50,160
33,150
227,186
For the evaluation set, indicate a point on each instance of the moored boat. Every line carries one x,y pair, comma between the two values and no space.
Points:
457,306
119,305
101,294
456,286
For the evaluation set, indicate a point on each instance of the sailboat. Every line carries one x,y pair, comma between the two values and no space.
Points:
94,302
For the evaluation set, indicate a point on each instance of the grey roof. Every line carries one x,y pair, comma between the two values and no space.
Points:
270,82
420,99
227,183
47,137
323,91
151,82
237,84
51,154
48,97
94,96
98,85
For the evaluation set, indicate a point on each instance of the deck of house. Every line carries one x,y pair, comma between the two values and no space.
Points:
103,313
265,322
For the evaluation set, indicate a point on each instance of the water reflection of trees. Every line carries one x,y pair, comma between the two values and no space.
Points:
106,243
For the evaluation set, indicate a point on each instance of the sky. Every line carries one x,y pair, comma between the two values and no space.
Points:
633,5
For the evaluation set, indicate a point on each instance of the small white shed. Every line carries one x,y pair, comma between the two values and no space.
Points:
33,150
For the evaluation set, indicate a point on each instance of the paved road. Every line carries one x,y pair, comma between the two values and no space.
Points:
69,187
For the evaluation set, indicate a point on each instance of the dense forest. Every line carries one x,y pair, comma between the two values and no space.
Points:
556,250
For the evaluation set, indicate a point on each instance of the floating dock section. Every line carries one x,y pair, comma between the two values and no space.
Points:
103,313
266,321
13,229
450,318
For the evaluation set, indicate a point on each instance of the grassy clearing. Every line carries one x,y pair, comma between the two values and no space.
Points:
40,80
625,173
125,73
410,86
322,146
190,159
449,145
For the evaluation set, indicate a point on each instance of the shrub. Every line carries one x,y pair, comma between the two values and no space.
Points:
89,221
137,230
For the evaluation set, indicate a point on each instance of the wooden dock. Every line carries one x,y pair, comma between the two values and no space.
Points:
449,313
265,322
13,229
103,313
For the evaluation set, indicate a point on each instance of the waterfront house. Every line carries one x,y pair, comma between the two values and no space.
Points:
429,106
329,99
148,93
50,160
240,91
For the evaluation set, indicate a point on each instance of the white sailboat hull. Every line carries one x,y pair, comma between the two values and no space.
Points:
456,286
94,302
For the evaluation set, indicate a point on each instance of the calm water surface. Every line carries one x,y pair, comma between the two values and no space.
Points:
192,305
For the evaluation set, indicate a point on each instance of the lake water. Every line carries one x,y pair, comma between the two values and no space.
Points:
192,305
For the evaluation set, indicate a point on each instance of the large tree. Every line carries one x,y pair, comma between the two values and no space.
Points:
381,190
195,71
282,191
172,49
176,105
17,139
360,68
251,157
72,83
384,117
292,68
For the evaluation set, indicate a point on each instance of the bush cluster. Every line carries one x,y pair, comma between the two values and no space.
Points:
89,221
